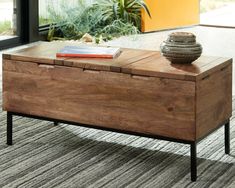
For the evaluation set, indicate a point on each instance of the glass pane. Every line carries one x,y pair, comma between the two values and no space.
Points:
44,17
7,19
55,5
217,12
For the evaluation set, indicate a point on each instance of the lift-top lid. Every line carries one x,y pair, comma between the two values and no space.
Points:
130,61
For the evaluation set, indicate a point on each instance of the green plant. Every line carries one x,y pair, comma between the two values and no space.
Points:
126,10
118,27
74,22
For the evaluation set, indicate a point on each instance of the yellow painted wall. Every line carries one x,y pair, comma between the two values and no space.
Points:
168,14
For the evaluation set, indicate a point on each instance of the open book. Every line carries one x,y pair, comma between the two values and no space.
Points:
88,51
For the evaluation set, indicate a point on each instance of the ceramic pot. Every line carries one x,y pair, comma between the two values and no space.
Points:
181,47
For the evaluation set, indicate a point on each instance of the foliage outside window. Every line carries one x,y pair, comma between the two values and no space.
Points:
103,19
7,18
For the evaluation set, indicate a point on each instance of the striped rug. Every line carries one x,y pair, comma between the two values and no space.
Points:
64,156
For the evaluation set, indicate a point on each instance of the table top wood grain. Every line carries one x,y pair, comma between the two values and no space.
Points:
130,61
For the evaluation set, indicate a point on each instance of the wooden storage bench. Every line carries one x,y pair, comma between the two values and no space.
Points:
139,93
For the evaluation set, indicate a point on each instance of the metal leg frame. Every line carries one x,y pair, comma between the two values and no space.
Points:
56,123
193,150
227,137
193,145
193,153
9,128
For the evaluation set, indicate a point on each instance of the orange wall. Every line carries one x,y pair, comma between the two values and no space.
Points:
168,14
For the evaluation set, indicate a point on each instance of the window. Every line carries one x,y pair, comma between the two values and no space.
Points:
7,19
44,18
9,31
18,22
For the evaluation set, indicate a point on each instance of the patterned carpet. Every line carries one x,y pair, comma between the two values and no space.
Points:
63,156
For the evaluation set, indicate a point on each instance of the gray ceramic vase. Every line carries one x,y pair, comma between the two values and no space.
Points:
181,47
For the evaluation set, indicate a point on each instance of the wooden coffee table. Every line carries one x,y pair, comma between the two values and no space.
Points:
139,93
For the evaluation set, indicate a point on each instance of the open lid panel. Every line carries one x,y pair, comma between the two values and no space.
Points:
130,61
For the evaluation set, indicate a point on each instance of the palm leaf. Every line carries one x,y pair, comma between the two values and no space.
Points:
144,6
115,10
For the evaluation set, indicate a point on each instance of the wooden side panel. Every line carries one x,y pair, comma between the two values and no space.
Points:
141,104
214,100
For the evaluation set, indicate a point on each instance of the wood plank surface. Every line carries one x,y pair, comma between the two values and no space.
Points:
127,57
154,106
213,100
131,61
214,66
46,53
159,66
42,53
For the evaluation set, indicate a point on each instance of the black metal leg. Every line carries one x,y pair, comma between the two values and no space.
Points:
9,128
193,148
227,137
56,123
